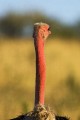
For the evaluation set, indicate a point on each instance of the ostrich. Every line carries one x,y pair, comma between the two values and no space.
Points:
40,34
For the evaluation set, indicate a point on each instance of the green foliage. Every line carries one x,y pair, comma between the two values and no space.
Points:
21,25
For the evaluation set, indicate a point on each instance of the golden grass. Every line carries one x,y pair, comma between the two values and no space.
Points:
17,74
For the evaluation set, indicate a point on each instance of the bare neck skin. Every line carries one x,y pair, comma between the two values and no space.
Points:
40,71
41,32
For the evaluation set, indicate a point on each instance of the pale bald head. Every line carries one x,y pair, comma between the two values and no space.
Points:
40,24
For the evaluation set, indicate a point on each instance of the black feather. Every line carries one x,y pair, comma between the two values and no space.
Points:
61,118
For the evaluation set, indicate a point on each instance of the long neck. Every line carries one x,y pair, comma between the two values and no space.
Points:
40,71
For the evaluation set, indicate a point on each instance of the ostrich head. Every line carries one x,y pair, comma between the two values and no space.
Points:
41,30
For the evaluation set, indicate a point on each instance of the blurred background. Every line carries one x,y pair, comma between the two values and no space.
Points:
17,56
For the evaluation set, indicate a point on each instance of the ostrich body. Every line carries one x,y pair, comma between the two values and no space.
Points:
40,34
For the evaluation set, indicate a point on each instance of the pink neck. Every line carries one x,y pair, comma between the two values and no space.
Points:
40,71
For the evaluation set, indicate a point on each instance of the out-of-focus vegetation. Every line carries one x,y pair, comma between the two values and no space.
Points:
21,25
17,66
17,77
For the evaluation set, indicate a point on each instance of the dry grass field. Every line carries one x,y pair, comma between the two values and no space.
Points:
17,77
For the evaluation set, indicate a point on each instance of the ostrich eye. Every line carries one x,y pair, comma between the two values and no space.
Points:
49,28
